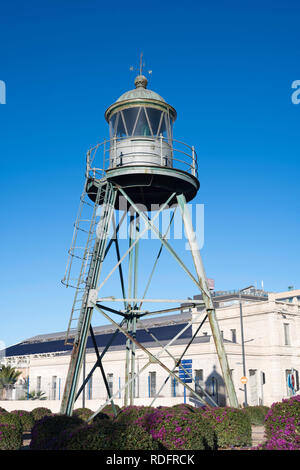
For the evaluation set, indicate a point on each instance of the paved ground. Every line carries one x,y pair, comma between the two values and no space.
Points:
258,435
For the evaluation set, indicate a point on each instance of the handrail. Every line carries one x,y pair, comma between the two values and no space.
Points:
190,163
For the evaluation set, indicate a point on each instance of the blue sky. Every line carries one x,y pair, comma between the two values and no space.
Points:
227,68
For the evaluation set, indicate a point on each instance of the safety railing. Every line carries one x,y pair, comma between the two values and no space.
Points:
164,153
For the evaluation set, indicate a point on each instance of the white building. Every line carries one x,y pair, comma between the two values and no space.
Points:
271,327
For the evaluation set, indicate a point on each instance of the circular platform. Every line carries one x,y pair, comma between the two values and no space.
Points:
148,185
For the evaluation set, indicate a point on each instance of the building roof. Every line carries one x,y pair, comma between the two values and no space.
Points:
163,328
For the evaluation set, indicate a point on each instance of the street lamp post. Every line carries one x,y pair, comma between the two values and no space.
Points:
242,341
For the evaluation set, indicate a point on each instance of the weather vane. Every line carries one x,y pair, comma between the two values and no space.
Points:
142,65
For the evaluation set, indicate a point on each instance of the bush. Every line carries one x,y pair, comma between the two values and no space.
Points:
110,435
130,414
46,431
83,413
26,418
185,406
99,417
108,410
231,425
40,412
285,439
11,437
2,410
11,418
282,415
256,414
179,429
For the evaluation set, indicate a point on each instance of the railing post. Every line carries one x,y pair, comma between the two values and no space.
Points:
161,156
104,150
194,166
115,150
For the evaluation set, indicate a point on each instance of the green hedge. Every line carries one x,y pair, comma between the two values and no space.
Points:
109,435
256,414
45,432
40,412
108,410
231,425
83,413
13,419
130,414
11,437
26,418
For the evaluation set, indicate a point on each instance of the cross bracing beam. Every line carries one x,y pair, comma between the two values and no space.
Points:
152,359
131,301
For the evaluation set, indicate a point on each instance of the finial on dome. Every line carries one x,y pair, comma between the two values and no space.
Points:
140,81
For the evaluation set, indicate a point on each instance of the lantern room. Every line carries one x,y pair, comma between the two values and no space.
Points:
140,126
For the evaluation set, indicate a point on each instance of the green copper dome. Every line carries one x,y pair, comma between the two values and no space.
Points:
140,91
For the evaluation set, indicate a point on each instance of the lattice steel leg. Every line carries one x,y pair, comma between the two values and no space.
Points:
84,321
191,236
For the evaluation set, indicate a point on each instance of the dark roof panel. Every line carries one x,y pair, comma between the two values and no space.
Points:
162,333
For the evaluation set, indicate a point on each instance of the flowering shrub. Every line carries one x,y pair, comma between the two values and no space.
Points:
83,413
283,415
26,418
108,410
286,439
231,425
256,414
109,435
40,412
11,418
185,406
179,429
45,432
10,437
130,414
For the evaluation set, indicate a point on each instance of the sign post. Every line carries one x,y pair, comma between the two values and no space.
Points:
244,380
186,373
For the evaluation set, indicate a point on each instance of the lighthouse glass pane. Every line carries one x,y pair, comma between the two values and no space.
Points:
154,116
130,116
142,126
112,124
121,131
163,128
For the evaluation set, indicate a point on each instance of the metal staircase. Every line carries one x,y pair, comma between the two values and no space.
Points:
81,251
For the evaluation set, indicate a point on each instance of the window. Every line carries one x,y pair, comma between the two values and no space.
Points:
110,383
89,389
120,126
142,126
53,389
38,383
152,384
130,116
287,340
198,381
233,336
288,372
140,121
155,117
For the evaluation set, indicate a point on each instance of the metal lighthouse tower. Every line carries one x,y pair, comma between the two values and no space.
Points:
139,172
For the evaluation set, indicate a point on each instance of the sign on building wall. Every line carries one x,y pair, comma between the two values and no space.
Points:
186,374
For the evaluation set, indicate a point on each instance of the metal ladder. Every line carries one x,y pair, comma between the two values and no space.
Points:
80,253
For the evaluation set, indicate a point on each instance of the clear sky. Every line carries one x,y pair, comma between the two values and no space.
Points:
227,68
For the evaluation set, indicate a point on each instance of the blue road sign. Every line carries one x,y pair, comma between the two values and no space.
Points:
186,374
